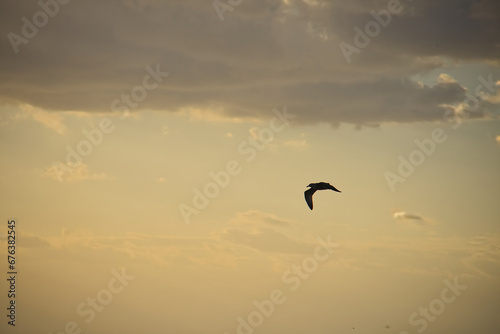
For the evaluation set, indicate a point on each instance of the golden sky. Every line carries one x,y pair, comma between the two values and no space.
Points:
155,155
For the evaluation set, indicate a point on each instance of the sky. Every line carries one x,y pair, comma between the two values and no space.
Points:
155,154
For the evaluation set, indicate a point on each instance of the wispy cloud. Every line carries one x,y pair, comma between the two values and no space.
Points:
412,218
165,130
266,240
300,143
445,78
477,255
51,120
73,174
259,218
213,114
406,215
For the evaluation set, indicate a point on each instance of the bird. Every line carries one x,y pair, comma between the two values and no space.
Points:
308,194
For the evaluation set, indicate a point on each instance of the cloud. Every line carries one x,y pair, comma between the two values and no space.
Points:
159,250
475,255
78,233
485,260
33,241
164,130
212,113
299,144
445,78
266,240
254,132
27,240
412,218
265,232
50,120
406,215
264,54
259,218
81,172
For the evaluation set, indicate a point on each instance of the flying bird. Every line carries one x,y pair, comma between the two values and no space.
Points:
316,186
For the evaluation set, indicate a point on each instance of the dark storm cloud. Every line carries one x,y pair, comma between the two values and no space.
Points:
263,54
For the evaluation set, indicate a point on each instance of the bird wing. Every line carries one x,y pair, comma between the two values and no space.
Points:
333,188
308,194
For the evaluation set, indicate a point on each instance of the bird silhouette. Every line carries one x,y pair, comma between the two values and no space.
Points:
308,194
